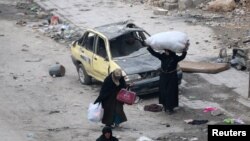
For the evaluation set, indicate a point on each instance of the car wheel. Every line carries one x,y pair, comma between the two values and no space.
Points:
83,76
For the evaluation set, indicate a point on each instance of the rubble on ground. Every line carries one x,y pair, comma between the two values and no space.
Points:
49,24
210,5
221,5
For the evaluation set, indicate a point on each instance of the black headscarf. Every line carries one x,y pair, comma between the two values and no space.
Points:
106,129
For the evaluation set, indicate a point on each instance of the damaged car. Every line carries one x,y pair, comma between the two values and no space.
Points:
119,45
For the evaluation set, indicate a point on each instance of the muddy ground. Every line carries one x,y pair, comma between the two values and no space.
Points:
37,107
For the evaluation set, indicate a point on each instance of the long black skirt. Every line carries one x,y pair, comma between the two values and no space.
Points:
168,96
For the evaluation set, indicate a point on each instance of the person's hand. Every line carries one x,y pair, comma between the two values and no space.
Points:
131,84
186,47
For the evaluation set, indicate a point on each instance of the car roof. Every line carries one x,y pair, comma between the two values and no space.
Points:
114,30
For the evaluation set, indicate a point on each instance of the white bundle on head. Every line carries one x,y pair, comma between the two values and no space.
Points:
173,40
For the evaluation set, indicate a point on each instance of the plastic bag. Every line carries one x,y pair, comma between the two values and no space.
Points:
172,40
95,112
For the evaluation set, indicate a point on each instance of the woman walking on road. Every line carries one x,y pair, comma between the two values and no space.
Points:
168,96
113,109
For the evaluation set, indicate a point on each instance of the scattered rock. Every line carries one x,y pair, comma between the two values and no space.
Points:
35,60
170,6
42,15
20,14
185,4
84,9
192,97
15,77
197,43
58,129
54,112
172,1
25,50
160,11
194,139
143,138
21,22
1,35
161,138
198,2
153,17
52,9
183,138
30,136
22,5
134,129
24,45
221,5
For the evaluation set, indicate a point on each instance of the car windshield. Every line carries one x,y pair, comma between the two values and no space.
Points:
128,45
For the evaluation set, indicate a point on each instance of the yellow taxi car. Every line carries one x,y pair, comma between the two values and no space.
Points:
119,45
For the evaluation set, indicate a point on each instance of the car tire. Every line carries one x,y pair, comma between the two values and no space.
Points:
83,76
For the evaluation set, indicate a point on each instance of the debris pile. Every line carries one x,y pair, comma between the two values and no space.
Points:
221,5
30,6
48,24
240,56
210,5
62,32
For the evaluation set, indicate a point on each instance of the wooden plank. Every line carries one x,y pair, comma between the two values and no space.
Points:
203,67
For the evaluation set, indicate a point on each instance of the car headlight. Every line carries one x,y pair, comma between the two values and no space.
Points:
132,77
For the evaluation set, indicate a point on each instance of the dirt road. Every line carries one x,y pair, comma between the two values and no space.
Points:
37,107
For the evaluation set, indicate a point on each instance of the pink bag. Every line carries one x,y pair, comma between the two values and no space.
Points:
126,96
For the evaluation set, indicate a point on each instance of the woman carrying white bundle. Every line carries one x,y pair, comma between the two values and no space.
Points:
168,96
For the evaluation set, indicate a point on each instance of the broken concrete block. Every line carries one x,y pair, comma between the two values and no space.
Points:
170,6
155,3
161,3
198,2
172,1
221,5
160,11
185,4
42,15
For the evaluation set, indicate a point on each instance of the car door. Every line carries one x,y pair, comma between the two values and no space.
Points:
101,59
87,51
